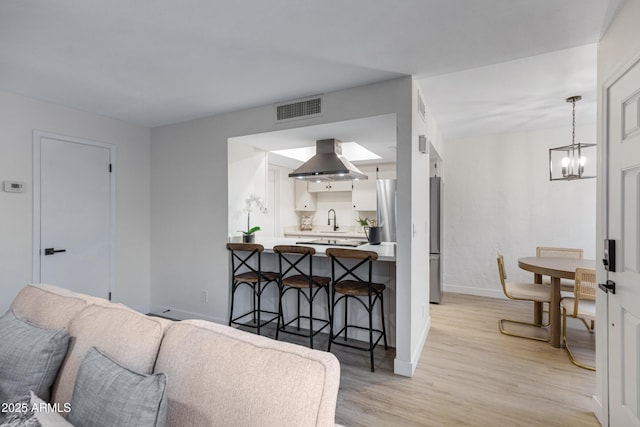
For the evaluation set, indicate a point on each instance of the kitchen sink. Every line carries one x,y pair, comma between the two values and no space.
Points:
334,242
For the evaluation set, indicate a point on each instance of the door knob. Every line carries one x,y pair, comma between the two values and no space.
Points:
610,286
51,251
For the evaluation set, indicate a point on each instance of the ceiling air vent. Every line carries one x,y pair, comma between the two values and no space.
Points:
305,108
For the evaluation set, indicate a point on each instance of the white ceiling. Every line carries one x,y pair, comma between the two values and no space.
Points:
520,95
156,62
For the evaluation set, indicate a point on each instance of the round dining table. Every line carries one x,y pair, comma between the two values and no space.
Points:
556,269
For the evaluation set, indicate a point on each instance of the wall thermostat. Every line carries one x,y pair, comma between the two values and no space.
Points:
14,187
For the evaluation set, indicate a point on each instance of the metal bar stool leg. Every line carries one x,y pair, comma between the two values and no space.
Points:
279,309
298,322
310,317
253,304
384,329
329,316
370,311
346,309
332,311
259,307
233,292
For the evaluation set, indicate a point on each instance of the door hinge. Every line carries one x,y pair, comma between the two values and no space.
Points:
110,168
109,295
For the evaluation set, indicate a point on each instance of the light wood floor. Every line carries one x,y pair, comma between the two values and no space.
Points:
470,375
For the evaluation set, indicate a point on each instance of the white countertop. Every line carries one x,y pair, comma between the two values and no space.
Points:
386,250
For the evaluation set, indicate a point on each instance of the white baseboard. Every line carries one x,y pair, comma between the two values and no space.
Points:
174,313
598,411
470,290
408,368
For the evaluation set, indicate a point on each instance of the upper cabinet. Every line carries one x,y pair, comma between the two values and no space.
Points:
316,187
305,201
363,196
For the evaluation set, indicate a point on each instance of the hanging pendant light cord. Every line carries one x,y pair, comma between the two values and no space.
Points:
573,123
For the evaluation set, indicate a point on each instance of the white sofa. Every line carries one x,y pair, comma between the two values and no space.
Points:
216,375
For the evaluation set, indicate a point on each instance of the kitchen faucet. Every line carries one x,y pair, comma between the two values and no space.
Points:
335,221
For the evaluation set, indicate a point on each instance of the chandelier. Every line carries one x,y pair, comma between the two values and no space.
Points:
575,161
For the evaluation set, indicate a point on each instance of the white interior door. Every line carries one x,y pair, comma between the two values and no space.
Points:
623,101
73,199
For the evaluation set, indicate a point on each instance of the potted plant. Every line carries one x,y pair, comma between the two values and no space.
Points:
371,230
363,221
248,236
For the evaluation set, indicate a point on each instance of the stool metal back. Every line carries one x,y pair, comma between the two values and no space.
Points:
245,271
292,261
355,281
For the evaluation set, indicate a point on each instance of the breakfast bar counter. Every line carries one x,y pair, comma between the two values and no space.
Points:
384,271
385,250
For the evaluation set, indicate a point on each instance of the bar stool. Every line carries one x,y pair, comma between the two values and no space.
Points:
352,282
243,272
292,277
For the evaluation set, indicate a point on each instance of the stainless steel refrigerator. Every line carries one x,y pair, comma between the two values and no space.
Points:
435,240
386,208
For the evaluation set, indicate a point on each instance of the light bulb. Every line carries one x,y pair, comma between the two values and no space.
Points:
583,160
565,162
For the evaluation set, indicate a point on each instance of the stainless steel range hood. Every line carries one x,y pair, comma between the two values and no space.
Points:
328,164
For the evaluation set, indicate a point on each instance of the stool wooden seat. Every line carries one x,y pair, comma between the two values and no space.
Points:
300,281
291,260
358,289
246,269
252,277
354,281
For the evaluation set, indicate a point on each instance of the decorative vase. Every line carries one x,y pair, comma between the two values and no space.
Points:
373,235
248,238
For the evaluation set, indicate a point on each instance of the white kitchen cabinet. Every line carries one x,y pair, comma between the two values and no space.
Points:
363,197
305,201
322,186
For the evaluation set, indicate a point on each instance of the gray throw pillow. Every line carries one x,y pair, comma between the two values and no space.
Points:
108,394
30,357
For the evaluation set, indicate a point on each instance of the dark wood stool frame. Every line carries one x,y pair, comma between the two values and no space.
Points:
352,289
254,278
290,259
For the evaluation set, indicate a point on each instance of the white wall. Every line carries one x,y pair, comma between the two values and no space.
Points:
247,167
498,196
19,116
340,201
616,50
190,223
283,200
418,297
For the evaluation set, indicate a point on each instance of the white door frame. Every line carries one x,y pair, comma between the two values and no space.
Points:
37,137
601,398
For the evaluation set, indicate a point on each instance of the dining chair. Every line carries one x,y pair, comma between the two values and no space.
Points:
522,292
582,305
566,285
